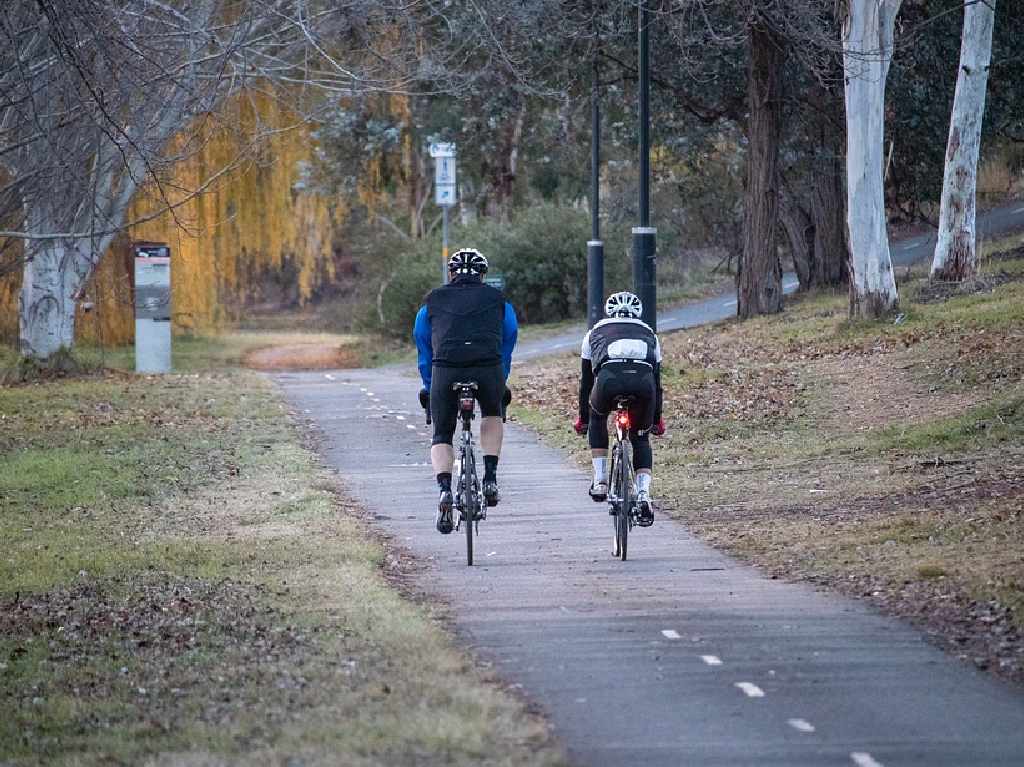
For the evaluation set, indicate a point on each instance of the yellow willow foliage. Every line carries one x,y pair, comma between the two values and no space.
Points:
250,228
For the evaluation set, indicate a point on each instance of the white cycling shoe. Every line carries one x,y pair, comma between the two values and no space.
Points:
644,509
599,491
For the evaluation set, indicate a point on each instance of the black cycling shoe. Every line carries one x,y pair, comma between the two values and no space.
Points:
443,520
491,492
644,510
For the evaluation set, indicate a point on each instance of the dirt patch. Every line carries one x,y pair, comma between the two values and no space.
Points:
301,357
937,292
159,647
857,394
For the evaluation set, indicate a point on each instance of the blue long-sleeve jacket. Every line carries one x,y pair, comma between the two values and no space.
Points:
425,352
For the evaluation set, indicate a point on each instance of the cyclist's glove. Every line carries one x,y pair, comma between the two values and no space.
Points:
506,398
658,429
424,399
581,426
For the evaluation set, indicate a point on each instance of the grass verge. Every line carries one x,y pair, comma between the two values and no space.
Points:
161,602
237,349
882,460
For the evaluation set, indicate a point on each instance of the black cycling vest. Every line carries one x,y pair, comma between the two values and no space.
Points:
466,321
616,339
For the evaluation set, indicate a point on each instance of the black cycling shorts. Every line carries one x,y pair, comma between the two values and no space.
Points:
490,381
616,379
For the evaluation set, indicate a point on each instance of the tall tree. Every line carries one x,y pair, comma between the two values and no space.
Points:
956,256
100,99
759,281
867,53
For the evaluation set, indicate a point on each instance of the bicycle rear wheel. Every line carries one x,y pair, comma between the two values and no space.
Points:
612,493
625,492
469,500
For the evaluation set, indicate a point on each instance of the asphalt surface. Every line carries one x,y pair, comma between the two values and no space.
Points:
679,656
904,252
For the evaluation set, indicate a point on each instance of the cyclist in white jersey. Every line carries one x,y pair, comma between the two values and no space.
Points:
621,356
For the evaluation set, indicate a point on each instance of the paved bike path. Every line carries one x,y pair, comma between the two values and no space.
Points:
679,656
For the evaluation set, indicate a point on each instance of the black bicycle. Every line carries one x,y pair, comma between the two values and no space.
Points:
621,495
469,497
469,503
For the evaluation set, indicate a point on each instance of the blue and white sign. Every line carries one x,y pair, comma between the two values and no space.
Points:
445,193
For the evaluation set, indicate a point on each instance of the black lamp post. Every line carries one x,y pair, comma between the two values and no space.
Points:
644,235
595,248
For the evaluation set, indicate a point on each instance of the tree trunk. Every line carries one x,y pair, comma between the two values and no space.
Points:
759,282
867,53
52,279
828,211
506,183
956,257
801,235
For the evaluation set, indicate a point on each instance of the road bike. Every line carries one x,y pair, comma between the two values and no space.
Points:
621,495
469,506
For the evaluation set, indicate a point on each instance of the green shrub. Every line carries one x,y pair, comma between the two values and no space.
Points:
542,254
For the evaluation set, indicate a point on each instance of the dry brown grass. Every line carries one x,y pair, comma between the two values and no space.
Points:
181,584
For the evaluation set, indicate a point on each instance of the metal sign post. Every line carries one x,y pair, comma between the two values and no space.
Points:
445,193
152,307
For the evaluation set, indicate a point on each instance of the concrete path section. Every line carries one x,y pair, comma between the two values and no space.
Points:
905,252
678,657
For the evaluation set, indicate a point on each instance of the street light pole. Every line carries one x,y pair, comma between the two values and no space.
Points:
595,247
644,235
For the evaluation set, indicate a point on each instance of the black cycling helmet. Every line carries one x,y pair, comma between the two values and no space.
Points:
467,261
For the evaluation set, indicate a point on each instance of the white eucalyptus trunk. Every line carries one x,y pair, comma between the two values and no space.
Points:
52,280
867,53
956,256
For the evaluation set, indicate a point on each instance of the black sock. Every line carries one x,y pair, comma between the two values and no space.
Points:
444,480
490,468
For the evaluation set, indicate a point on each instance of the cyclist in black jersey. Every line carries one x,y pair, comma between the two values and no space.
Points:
621,356
465,331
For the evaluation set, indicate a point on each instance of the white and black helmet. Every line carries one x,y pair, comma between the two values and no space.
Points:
624,304
467,261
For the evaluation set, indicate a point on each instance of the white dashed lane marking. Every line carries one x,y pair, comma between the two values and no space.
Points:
328,376
400,417
864,759
750,689
409,426
670,634
711,660
800,725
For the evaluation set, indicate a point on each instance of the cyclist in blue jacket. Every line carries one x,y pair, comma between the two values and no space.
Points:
465,331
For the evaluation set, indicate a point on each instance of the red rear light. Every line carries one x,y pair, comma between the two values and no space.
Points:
622,419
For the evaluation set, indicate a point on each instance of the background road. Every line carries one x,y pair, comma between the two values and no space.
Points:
680,656
912,250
